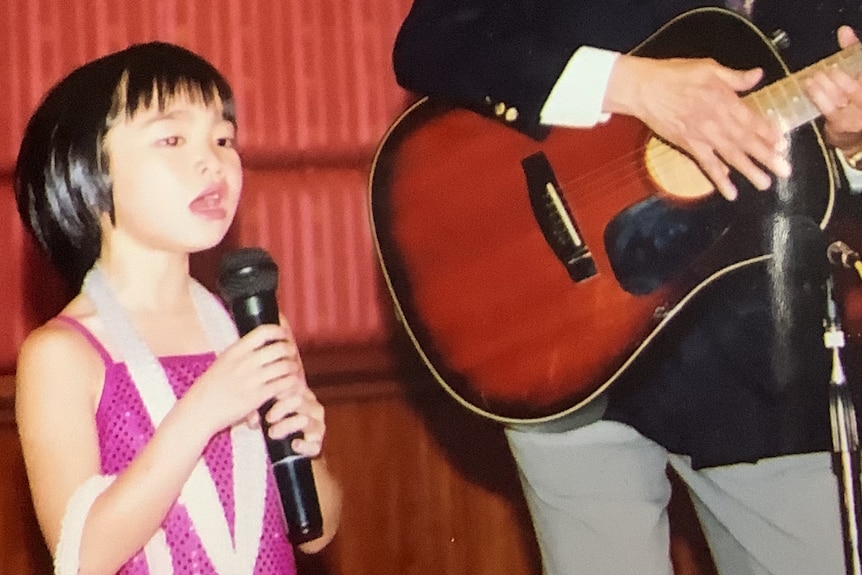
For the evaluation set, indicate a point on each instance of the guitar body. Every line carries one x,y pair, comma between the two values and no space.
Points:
530,274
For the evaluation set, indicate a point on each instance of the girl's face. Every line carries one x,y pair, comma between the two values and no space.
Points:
176,177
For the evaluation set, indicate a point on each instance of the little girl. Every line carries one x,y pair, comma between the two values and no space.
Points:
136,405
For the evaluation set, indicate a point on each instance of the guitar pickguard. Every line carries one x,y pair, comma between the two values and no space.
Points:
653,241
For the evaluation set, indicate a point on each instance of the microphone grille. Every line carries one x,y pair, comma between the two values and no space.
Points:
246,272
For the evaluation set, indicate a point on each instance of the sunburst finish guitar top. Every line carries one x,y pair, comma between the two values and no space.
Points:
530,274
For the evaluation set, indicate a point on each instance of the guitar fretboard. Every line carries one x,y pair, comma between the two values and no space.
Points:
785,101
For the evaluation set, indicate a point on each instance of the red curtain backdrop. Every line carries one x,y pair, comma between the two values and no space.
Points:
315,92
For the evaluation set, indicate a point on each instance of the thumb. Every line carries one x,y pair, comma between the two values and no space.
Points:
846,36
253,419
740,80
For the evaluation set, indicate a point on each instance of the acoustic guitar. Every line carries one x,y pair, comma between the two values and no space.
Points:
530,274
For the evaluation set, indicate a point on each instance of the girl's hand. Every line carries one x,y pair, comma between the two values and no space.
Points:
296,409
261,366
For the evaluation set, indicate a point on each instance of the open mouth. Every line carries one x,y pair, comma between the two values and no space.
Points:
209,203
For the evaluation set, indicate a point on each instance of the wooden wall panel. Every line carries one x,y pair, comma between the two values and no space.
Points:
426,490
415,502
22,550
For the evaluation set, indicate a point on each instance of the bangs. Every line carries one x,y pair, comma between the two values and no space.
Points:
137,91
62,174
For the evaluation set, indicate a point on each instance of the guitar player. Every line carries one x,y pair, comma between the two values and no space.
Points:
734,396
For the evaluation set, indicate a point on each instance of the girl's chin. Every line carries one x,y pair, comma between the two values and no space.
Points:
201,244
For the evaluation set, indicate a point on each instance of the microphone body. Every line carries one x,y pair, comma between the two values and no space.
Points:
252,303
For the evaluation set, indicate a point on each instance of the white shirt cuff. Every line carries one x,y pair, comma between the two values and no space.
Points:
576,99
854,176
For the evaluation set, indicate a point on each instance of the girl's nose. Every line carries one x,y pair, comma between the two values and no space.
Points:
209,161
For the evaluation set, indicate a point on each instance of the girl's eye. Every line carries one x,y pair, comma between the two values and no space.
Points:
170,141
225,142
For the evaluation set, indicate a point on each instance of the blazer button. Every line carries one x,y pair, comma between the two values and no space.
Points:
499,108
511,114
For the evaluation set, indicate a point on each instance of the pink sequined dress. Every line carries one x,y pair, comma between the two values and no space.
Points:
124,428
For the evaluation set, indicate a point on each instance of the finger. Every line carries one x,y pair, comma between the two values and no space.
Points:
740,80
717,171
849,87
846,36
753,137
748,161
836,78
264,334
728,151
748,124
280,384
296,423
826,93
253,419
276,351
307,447
310,439
750,171
283,408
292,402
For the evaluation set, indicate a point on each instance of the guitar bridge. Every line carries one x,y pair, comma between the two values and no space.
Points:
555,219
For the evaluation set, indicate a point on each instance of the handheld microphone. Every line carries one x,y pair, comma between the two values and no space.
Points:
840,254
247,281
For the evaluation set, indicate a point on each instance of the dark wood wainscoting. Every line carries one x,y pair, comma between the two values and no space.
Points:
430,489
427,491
22,550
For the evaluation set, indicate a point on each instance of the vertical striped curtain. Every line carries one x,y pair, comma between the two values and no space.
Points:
315,92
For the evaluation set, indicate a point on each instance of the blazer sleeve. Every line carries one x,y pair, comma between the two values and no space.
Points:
479,52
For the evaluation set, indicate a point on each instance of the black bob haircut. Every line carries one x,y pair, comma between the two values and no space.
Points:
62,176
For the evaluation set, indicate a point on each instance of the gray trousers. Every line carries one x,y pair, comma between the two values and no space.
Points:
598,497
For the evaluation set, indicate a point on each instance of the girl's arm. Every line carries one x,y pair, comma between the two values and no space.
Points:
56,391
59,377
329,495
58,384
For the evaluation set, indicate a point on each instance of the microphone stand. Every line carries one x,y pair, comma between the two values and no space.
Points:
845,438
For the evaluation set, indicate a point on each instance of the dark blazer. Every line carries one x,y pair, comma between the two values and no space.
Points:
514,50
810,26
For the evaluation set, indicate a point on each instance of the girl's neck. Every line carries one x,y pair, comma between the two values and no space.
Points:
148,282
155,295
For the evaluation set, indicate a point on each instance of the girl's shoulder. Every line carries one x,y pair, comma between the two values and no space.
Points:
61,354
69,334
60,339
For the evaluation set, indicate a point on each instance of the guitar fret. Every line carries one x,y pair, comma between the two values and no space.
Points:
785,101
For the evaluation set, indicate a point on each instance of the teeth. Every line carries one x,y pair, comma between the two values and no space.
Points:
207,201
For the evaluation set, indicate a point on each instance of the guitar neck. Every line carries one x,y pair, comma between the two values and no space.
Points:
785,101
